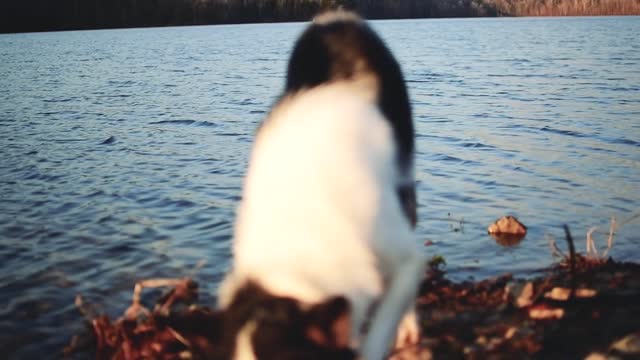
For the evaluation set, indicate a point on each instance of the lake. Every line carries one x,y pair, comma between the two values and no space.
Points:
122,152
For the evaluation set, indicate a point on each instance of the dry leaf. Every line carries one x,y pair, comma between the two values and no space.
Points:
596,356
543,313
630,344
526,296
562,294
510,333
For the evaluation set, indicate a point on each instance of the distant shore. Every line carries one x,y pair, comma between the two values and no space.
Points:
46,15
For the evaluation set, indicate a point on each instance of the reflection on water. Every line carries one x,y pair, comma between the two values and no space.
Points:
123,151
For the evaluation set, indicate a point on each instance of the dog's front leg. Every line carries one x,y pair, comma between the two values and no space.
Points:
408,329
399,297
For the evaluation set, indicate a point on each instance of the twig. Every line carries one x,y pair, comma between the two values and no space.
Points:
179,337
572,260
631,218
591,246
555,251
136,308
197,268
612,227
86,310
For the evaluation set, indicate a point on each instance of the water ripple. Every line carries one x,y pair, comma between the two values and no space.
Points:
185,122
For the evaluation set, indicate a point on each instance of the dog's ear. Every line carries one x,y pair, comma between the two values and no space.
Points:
329,324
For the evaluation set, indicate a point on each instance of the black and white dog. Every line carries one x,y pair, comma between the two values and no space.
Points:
325,264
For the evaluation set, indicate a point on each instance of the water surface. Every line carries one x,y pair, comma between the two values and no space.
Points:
122,152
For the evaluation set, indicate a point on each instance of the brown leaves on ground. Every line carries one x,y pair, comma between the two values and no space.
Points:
172,330
504,318
499,318
186,335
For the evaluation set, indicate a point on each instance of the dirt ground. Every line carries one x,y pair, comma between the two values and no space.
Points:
507,318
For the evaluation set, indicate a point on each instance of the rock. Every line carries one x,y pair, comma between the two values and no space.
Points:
507,231
507,225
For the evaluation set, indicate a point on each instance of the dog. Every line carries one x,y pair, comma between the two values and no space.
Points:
325,263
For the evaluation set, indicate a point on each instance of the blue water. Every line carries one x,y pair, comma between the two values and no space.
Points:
122,152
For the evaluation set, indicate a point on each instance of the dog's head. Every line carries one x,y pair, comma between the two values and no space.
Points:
273,327
339,46
259,325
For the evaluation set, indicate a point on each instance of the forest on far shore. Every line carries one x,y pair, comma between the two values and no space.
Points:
53,15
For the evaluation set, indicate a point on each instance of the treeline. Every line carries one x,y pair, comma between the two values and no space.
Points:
49,15
564,7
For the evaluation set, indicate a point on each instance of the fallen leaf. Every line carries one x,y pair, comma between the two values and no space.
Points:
629,344
544,313
596,356
526,296
562,294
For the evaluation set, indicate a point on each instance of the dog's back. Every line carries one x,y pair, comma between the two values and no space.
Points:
328,202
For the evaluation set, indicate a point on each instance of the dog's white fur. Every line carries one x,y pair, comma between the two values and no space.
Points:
320,216
244,349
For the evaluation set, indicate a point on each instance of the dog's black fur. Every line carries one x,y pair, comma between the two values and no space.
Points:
330,52
335,51
283,329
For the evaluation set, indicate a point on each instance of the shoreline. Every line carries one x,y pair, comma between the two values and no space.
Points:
305,21
497,318
41,16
